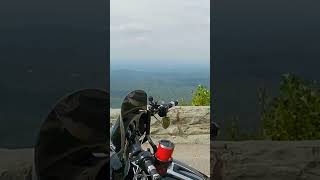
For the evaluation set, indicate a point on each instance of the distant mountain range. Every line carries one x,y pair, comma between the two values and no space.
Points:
162,84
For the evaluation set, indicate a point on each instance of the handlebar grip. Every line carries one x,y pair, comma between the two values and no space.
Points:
151,169
146,160
173,103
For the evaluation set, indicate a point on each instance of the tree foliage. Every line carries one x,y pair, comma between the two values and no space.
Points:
295,113
201,96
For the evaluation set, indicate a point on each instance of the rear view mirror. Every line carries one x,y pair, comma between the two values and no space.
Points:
165,122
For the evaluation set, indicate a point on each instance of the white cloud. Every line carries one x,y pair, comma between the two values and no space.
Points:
160,29
131,28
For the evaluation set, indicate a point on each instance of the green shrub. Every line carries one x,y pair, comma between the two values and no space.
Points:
295,113
201,96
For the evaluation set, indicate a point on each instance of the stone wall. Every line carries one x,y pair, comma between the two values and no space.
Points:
189,124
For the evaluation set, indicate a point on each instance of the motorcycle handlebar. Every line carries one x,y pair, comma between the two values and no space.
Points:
172,104
162,109
151,169
146,160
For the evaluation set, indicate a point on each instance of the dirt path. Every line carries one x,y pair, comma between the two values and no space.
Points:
195,155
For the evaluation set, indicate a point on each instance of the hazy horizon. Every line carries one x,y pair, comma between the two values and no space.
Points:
159,66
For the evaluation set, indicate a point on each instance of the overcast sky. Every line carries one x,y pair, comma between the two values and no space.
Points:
167,30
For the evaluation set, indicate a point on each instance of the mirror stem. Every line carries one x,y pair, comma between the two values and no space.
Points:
154,147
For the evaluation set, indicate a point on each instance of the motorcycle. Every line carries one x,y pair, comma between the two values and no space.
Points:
73,141
128,159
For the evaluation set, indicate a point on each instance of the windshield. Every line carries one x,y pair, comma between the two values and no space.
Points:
132,103
74,128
